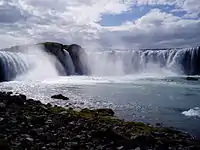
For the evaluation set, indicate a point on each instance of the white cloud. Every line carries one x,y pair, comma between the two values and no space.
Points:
157,29
77,21
192,7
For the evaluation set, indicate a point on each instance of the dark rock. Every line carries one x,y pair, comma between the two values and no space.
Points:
192,78
158,124
77,54
29,139
120,147
57,49
4,145
79,58
2,106
70,108
48,122
60,96
22,97
39,119
9,93
105,112
101,112
142,140
49,105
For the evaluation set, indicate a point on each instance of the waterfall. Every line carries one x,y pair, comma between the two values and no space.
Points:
42,65
68,63
178,61
30,64
12,64
34,63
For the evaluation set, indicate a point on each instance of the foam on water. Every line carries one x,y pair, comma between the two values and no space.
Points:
75,80
88,80
195,112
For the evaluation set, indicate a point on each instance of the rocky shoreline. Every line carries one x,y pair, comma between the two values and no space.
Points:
29,124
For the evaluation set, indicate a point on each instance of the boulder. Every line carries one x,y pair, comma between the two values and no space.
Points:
105,112
101,112
60,96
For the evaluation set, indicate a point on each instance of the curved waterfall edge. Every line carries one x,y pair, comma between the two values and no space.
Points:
74,60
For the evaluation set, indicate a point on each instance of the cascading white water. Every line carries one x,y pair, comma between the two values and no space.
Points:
13,64
169,62
68,63
103,64
33,63
42,65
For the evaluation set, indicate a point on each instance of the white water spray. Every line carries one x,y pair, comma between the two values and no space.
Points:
42,65
120,63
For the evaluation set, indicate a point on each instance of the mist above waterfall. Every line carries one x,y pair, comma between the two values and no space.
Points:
120,63
153,62
41,64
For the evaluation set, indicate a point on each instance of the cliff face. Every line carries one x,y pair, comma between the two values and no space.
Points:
66,52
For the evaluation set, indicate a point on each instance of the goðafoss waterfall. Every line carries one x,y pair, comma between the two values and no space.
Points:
54,59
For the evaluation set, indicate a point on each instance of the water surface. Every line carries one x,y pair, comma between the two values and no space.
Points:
172,101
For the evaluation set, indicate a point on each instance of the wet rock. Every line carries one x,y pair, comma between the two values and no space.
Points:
1,119
120,148
101,112
158,124
10,93
142,140
79,58
192,78
48,122
2,106
105,112
40,119
29,139
48,105
60,96
4,144
22,97
82,103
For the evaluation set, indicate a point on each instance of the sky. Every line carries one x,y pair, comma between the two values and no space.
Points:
101,23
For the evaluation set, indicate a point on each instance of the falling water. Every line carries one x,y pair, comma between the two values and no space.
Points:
34,63
30,64
172,61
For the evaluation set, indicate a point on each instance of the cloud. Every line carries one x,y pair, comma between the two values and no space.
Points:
157,29
191,7
77,21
